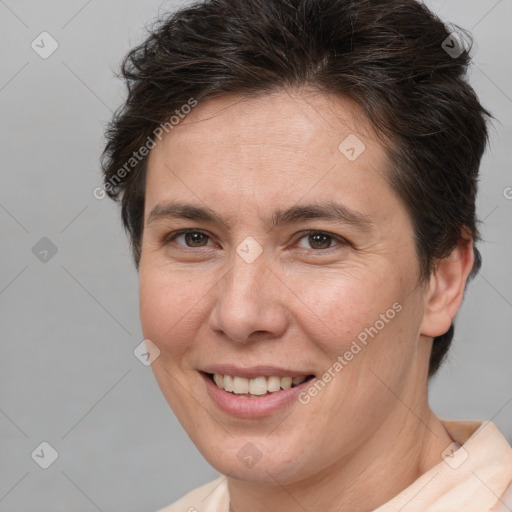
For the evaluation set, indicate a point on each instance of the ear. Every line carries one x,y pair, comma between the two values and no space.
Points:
446,288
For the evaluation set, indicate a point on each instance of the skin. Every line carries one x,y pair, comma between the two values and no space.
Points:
299,305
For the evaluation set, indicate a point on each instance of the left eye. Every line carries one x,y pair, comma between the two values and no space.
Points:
320,240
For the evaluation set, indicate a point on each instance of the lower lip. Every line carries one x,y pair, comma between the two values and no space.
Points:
247,407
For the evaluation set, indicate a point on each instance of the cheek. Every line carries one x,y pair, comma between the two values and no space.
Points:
367,327
336,308
170,302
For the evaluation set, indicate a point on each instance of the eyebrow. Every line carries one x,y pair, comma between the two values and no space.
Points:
329,211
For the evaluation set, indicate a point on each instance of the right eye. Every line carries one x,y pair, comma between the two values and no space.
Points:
192,238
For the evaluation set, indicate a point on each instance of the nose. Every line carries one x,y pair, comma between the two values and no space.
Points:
249,303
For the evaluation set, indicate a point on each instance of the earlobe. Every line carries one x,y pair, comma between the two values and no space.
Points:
446,288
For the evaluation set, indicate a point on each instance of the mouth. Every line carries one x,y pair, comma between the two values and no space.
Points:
257,387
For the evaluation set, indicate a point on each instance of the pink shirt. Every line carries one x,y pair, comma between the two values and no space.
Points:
477,477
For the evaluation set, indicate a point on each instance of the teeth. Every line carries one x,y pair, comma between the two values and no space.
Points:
240,385
227,383
286,382
298,380
255,387
273,384
258,386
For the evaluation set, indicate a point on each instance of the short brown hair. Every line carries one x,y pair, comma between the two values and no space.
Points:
389,56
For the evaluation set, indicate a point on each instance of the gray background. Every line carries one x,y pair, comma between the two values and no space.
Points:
68,375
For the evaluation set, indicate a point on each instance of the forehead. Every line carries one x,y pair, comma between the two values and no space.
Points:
273,149
297,116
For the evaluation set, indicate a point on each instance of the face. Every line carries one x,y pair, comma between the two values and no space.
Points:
261,287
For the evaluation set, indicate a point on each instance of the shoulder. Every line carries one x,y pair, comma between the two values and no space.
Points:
209,497
504,503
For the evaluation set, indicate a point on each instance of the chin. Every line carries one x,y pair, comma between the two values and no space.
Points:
255,460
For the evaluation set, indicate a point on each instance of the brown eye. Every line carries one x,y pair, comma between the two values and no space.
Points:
195,239
319,240
192,238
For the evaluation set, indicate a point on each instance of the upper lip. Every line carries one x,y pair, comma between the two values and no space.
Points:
254,371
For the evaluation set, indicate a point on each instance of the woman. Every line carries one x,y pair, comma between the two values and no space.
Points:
298,179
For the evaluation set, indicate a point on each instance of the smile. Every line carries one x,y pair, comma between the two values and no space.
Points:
254,391
256,387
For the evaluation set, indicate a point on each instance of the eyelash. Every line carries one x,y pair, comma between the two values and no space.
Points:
341,241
